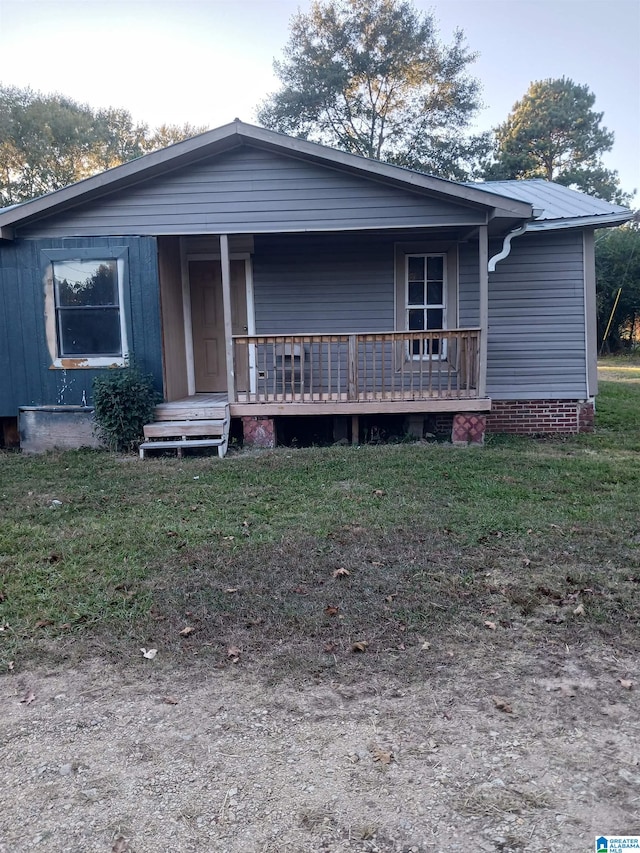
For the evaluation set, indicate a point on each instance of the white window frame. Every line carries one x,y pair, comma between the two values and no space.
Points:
423,356
53,256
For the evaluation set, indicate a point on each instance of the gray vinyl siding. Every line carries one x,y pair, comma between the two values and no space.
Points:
26,377
250,190
536,343
323,283
468,286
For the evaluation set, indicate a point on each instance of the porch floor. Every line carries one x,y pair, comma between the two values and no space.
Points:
213,405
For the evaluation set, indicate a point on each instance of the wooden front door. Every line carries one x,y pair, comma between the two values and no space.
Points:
207,323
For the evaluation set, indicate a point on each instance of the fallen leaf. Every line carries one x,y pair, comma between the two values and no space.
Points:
43,623
379,493
28,698
4,626
341,573
232,589
330,648
360,646
330,610
425,646
149,654
626,683
490,625
300,590
502,705
382,755
526,561
121,845
234,652
579,611
11,665
170,700
188,629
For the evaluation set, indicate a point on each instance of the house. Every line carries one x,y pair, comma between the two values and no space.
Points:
258,276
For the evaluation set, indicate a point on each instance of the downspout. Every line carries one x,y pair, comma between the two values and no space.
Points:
506,244
506,247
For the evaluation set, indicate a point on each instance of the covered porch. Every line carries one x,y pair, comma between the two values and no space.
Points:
287,319
325,324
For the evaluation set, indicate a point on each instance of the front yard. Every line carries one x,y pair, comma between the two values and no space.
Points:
380,648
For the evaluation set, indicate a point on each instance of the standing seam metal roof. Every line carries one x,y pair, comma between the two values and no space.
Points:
555,200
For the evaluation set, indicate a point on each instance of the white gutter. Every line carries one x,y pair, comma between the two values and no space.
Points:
597,220
603,219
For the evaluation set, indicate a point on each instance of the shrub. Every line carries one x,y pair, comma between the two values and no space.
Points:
123,402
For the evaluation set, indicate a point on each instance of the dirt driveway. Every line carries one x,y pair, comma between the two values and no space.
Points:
517,752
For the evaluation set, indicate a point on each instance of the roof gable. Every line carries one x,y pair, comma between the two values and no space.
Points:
254,190
215,144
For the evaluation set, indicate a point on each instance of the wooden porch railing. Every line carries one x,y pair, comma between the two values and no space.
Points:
364,366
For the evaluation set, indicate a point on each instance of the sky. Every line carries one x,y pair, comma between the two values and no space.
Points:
207,62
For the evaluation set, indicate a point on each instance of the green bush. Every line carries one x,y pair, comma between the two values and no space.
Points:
123,402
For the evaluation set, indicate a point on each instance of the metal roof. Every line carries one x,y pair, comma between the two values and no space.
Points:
557,206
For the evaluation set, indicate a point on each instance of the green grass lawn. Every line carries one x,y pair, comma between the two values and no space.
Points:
246,550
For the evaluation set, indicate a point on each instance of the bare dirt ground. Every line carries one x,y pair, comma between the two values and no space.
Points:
535,751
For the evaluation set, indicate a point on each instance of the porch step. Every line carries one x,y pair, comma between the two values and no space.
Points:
176,435
184,429
196,408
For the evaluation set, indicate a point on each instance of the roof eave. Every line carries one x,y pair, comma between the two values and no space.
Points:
605,220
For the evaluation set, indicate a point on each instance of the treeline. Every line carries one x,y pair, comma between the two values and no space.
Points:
49,141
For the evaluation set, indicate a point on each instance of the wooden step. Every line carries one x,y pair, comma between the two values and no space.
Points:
180,444
190,413
191,410
186,429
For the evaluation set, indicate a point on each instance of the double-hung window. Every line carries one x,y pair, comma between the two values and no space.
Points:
86,320
425,302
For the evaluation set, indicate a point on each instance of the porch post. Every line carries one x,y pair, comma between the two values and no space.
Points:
226,309
188,328
483,262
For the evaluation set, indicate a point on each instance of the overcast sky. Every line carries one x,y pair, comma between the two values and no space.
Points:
208,61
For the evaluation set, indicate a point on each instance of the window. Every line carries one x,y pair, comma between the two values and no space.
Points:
87,308
426,289
84,299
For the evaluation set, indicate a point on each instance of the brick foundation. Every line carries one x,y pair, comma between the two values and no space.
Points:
541,417
258,431
468,428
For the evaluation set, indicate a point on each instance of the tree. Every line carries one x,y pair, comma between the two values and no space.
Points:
169,134
49,141
554,133
618,266
372,78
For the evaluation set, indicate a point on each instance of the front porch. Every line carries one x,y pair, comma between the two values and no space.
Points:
323,325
